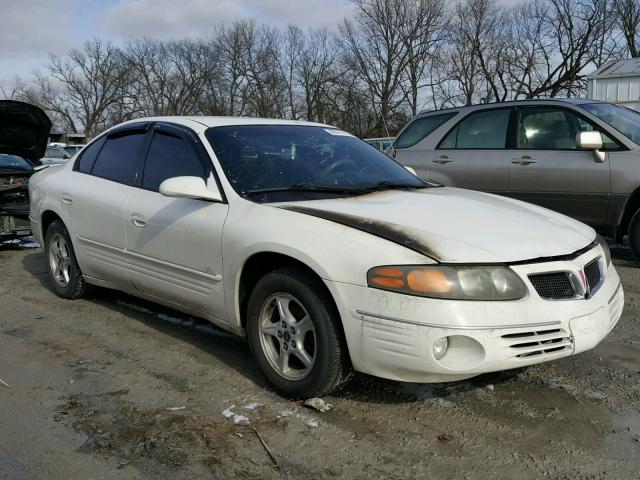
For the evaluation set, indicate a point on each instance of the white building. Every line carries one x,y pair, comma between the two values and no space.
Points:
617,81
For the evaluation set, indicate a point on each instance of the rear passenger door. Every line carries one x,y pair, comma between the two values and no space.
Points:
412,148
174,244
473,153
547,168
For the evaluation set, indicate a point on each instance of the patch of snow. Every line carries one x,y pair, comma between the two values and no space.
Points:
312,422
237,419
251,406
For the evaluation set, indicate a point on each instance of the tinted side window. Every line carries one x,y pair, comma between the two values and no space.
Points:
53,152
546,129
117,159
169,156
88,157
420,128
485,129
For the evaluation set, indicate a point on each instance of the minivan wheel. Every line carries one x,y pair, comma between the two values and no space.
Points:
634,234
294,334
63,268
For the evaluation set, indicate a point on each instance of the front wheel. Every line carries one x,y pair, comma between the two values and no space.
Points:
62,265
634,234
295,335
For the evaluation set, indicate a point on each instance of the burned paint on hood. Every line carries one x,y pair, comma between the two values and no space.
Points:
24,130
388,231
451,225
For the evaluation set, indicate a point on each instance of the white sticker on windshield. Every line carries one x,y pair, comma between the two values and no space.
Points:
335,131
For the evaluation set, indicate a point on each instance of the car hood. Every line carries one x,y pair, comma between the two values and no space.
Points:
455,225
24,130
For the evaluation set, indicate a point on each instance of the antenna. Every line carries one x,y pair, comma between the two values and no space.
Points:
384,123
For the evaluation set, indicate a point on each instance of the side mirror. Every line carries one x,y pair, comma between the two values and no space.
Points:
190,187
412,170
591,141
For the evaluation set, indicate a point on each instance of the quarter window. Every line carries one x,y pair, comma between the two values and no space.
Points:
420,128
169,156
117,160
88,157
481,130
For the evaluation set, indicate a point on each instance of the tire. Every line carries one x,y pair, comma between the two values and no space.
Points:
67,281
306,304
634,234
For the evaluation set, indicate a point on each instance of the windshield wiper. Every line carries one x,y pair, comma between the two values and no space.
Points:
305,187
386,185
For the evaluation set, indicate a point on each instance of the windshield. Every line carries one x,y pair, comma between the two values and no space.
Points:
623,119
260,159
14,162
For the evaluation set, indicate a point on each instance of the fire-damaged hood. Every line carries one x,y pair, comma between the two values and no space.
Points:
455,225
24,130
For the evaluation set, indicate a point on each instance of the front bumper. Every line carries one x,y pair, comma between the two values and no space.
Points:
391,335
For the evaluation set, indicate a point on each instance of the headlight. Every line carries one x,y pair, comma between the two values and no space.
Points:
482,282
600,240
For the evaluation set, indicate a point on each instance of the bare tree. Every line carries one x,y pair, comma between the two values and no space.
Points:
627,14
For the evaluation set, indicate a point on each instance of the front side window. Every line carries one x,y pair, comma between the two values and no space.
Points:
169,156
303,161
53,152
117,160
486,129
623,119
420,128
549,128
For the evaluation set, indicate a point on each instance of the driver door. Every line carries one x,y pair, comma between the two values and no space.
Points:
174,244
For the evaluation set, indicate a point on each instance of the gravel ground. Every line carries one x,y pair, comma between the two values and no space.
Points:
113,387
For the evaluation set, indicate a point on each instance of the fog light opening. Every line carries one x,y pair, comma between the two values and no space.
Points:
440,347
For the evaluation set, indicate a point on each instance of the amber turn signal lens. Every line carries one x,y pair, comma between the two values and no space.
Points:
428,281
388,272
388,282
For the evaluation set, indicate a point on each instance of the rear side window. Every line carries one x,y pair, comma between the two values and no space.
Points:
117,160
170,156
53,152
420,128
481,130
88,157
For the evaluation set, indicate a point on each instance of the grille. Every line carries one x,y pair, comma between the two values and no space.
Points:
553,286
539,342
592,272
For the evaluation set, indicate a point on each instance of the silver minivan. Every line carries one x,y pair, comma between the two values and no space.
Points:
578,157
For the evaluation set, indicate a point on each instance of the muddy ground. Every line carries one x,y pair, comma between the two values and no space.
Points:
117,388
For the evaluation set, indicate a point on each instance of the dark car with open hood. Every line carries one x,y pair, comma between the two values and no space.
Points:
24,132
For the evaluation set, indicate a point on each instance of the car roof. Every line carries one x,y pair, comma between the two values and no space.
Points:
530,101
210,121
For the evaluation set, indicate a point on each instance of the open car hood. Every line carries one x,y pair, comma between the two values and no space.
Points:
24,130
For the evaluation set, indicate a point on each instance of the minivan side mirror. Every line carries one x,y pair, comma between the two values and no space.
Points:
190,187
591,141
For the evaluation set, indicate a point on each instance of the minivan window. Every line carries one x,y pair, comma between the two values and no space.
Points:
117,159
486,129
169,156
420,128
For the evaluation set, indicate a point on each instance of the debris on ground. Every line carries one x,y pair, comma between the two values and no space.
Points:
175,409
318,403
237,419
267,449
4,384
312,422
445,437
251,406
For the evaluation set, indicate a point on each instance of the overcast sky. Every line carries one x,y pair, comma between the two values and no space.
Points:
32,29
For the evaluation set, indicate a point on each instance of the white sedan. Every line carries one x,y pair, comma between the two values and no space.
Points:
326,253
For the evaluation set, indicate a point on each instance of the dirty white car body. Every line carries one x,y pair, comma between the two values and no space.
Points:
195,255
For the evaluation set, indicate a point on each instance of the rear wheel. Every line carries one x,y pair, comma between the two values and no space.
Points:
634,234
295,335
62,265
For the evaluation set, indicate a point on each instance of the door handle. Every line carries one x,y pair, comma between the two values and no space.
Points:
67,198
524,160
442,160
138,220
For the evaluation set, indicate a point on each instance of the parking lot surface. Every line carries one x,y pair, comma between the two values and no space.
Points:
115,387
